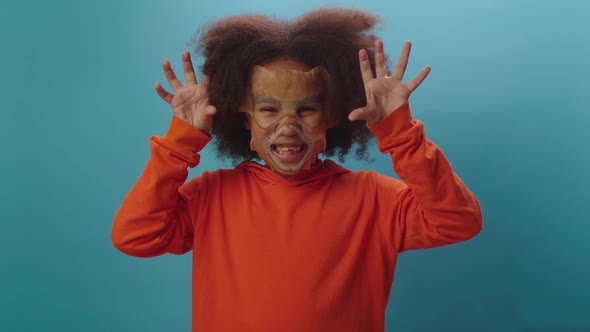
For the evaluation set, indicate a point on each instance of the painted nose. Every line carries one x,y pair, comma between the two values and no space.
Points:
290,127
289,119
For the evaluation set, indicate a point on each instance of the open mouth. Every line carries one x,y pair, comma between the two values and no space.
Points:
286,149
289,153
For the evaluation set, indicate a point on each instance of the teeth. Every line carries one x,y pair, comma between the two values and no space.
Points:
288,149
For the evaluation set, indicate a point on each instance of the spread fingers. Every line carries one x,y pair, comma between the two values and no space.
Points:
170,75
380,68
187,66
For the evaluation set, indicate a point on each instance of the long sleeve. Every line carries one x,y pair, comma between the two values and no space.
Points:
156,214
431,206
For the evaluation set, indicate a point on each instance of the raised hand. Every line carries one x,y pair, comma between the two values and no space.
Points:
385,93
190,101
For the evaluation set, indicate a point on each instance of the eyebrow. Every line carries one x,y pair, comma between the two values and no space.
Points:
267,98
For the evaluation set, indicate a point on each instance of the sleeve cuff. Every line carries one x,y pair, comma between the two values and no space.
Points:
185,135
394,124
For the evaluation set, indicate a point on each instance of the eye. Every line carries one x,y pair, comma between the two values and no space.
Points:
306,110
268,110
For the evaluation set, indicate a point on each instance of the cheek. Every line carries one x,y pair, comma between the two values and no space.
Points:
257,133
318,134
257,137
318,145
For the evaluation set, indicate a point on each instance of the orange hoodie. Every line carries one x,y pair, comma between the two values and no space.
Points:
314,252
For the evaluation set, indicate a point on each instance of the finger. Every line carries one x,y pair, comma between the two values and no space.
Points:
205,119
210,110
187,66
366,71
167,96
402,62
358,114
416,81
207,114
170,75
380,69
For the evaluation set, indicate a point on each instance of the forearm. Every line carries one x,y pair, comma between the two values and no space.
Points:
440,208
155,217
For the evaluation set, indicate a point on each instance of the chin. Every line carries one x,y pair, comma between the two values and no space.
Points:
288,162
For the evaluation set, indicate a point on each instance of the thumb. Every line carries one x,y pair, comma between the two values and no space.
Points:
205,119
207,115
210,111
358,114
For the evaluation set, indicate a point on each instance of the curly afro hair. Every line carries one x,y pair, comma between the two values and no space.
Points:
327,37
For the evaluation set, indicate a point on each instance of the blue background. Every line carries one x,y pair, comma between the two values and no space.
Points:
507,101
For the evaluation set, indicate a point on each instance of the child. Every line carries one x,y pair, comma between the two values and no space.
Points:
293,243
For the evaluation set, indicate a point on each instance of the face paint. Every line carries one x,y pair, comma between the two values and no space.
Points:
287,117
289,157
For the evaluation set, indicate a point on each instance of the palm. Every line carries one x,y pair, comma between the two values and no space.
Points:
385,93
189,101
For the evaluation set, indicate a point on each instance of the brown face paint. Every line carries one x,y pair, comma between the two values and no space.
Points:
287,117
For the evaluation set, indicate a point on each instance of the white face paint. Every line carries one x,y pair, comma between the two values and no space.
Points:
290,157
287,118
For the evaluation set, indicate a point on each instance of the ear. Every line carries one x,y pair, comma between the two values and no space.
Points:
247,120
319,73
261,69
330,123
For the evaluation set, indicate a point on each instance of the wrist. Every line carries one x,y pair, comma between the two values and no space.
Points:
183,134
393,124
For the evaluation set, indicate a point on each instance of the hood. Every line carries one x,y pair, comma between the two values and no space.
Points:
320,171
